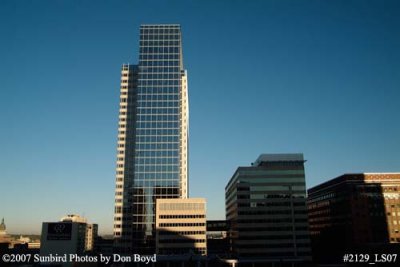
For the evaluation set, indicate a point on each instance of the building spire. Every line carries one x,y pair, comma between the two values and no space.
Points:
2,225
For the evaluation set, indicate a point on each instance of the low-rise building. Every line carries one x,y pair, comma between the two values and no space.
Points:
67,236
181,226
218,237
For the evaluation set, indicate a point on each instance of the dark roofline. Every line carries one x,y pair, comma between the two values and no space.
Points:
340,179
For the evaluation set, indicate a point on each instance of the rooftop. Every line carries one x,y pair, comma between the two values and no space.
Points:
278,158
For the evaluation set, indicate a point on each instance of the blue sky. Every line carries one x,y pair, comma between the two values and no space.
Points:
318,77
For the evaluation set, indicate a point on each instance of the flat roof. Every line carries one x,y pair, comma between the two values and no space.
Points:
279,157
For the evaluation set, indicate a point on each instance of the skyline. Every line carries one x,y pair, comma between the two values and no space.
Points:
320,78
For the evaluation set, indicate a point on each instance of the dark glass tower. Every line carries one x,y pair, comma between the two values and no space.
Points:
266,208
152,137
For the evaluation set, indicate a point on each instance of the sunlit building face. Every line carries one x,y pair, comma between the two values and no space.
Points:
153,136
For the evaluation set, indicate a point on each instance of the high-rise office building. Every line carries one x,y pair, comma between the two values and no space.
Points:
359,210
266,208
152,137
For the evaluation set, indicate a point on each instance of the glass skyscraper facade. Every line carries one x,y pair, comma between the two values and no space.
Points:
152,137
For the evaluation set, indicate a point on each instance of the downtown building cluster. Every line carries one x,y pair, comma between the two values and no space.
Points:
267,207
152,208
270,217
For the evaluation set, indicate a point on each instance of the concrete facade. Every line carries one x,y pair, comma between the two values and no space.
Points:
181,226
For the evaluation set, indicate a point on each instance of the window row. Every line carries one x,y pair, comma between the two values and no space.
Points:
159,29
157,83
159,49
157,153
173,233
181,224
167,182
158,161
156,104
158,73
256,188
159,34
160,43
156,191
145,112
159,90
145,115
144,127
161,136
165,63
157,168
157,146
272,246
164,191
260,229
159,76
151,177
273,237
274,220
186,216
181,241
130,86
173,59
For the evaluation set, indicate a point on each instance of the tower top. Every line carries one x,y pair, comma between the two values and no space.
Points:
2,225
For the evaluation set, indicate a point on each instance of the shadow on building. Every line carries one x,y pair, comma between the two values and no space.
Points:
218,238
350,214
266,208
183,251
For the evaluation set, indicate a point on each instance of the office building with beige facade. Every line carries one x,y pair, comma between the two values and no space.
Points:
181,226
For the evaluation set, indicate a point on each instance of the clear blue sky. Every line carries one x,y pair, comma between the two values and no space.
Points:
318,77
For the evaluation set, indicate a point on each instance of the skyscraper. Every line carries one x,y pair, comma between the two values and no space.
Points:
152,137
